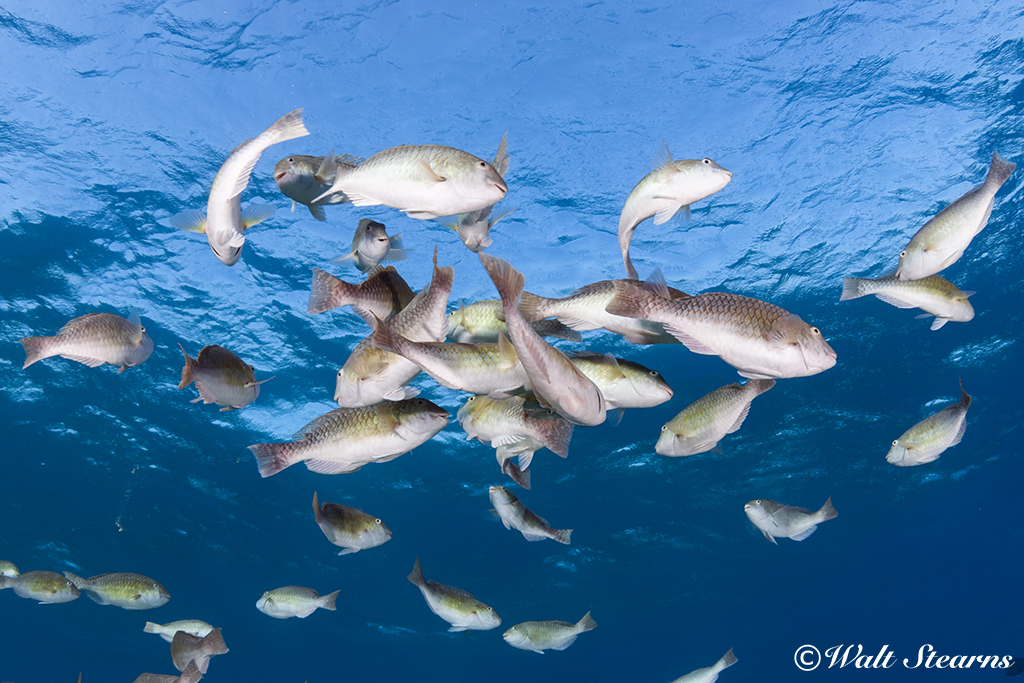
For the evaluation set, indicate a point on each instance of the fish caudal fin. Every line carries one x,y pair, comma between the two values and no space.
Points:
329,600
271,458
851,288
557,439
187,372
586,623
191,673
828,512
416,575
532,307
35,349
328,292
727,660
562,536
508,281
150,627
999,170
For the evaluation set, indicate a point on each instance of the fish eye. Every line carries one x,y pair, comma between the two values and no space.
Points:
419,401
895,441
664,427
142,328
483,164
903,253
252,368
340,371
377,520
815,330
705,161
654,373
291,160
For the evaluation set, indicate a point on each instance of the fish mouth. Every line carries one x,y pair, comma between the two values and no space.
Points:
279,175
502,186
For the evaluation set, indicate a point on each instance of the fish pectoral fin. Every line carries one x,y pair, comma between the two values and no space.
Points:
401,393
227,409
939,322
739,419
769,537
196,400
256,213
427,173
317,211
137,596
805,533
456,629
689,342
192,220
358,199
348,551
665,214
328,170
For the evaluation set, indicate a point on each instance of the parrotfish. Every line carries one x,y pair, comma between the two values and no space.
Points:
349,528
122,589
94,339
221,377
295,601
454,605
925,441
538,636
785,521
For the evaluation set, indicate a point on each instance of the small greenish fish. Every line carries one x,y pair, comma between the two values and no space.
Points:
122,589
547,635
295,601
483,321
623,383
671,186
8,569
94,339
424,181
190,674
196,627
303,178
785,521
46,587
221,377
556,382
348,528
515,515
709,674
224,222
584,310
925,441
474,227
371,245
934,294
759,339
700,426
345,439
943,239
186,648
454,605
384,293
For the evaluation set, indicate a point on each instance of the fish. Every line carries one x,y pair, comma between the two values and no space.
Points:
187,648
94,339
538,636
348,528
556,382
190,674
345,439
942,240
474,227
221,377
166,631
383,293
483,321
371,245
224,222
423,181
785,521
759,339
623,383
295,601
671,186
585,309
45,587
934,294
514,515
925,441
700,426
487,369
123,589
371,374
302,178
709,674
454,605
8,569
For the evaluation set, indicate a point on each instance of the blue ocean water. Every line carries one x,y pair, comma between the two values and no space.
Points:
846,126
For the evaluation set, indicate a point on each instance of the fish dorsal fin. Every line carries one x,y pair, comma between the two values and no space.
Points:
962,296
655,283
256,213
349,159
507,353
662,157
328,169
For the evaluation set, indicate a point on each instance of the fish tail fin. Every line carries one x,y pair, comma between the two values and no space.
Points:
562,535
965,398
328,292
416,575
509,281
759,386
386,338
215,642
519,475
35,349
587,623
557,439
827,511
851,288
999,170
191,673
187,372
329,600
626,261
151,627
288,127
629,301
727,660
271,458
532,307
318,512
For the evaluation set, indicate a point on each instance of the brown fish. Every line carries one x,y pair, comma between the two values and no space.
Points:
94,339
221,377
186,648
384,293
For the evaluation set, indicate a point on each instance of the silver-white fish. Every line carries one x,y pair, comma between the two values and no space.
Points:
784,521
187,648
384,293
45,587
555,380
94,339
623,383
371,245
454,605
424,181
348,528
943,239
481,322
925,441
709,674
196,627
8,569
700,426
757,338
224,222
514,515
345,439
122,589
671,186
303,178
474,228
538,636
934,294
221,377
295,601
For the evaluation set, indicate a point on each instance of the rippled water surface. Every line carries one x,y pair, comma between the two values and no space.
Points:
846,127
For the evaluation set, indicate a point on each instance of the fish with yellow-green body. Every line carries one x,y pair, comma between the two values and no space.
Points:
934,294
295,601
481,323
700,426
454,605
45,587
538,636
221,377
925,441
349,528
122,589
94,339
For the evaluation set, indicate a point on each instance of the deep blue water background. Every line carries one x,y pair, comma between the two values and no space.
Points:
846,125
